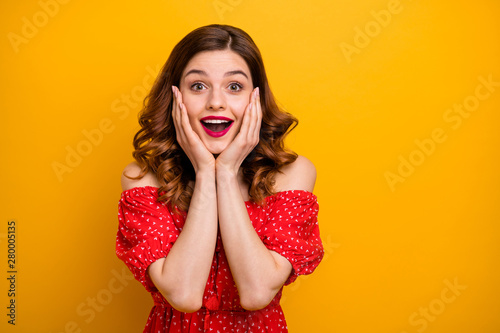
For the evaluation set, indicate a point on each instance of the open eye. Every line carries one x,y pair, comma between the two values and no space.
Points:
197,86
235,86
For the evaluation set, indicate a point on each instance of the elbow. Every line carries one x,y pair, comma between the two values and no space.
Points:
184,301
181,295
256,299
187,306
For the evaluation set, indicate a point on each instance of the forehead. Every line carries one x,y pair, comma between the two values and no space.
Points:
217,63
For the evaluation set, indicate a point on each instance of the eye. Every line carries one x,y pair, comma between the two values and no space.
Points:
235,86
197,86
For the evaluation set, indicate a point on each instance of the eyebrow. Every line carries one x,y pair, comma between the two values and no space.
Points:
230,73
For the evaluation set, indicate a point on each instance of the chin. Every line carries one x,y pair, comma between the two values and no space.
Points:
216,149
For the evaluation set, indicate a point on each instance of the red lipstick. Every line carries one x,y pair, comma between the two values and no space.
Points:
216,126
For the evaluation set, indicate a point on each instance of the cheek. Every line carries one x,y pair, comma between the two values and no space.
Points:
193,107
238,106
192,104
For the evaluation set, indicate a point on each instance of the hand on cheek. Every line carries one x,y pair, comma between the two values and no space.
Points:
189,141
245,141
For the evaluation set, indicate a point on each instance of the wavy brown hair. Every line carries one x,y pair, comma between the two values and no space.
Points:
156,146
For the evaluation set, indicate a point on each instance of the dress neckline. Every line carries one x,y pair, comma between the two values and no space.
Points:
277,194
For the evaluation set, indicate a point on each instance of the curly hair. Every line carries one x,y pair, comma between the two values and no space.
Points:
156,146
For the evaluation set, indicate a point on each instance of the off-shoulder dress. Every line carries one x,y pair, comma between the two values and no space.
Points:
287,223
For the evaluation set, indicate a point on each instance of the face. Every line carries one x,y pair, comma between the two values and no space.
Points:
216,88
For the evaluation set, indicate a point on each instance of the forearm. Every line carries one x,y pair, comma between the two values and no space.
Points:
258,272
183,274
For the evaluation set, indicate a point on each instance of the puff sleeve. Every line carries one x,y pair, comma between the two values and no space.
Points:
146,231
291,229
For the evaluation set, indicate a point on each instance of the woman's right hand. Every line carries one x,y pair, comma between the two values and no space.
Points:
198,154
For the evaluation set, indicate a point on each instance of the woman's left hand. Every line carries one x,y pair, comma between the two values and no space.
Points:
245,141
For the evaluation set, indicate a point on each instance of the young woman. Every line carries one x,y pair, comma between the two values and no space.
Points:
216,216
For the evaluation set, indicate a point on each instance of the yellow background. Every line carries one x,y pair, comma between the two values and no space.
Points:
392,249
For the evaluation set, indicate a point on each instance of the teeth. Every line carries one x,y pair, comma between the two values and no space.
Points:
215,121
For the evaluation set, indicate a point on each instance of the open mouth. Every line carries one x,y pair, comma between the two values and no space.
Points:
216,126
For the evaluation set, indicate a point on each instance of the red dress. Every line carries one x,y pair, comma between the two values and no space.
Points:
147,230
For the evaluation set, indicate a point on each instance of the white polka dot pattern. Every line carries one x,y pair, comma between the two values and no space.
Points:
287,224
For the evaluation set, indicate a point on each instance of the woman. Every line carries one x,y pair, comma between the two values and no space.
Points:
215,215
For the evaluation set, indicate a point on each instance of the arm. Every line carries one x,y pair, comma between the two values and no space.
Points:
182,276
258,272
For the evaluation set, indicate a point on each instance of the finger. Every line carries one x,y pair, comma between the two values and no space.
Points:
182,112
189,134
177,115
253,118
246,121
174,103
178,95
259,115
184,120
254,131
183,126
245,124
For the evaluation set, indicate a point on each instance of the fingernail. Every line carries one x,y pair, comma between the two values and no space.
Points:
258,91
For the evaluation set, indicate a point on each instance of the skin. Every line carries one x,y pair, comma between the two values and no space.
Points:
218,201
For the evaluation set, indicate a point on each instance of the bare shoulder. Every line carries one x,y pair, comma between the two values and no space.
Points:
133,170
299,175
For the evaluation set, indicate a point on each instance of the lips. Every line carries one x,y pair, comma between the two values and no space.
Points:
216,126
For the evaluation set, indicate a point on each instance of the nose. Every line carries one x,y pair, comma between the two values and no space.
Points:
216,100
